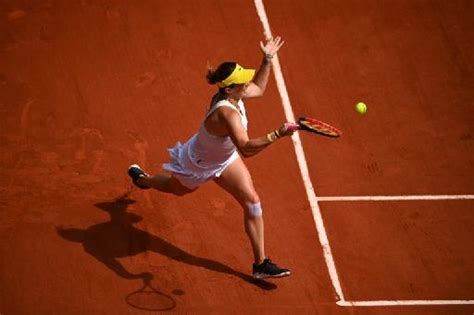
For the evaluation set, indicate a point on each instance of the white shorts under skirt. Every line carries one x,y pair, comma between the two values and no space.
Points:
188,173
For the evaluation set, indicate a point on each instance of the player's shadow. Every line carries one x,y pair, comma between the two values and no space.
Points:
118,238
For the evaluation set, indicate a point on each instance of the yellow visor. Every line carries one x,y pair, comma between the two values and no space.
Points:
238,76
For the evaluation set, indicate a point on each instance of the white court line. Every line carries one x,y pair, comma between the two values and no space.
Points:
396,198
313,199
318,219
405,302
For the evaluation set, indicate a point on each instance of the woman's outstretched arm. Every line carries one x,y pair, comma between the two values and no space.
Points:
246,146
258,85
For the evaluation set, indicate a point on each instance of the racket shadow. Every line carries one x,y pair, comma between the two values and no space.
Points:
147,298
118,238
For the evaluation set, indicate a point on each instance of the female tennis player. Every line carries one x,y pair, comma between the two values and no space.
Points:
213,152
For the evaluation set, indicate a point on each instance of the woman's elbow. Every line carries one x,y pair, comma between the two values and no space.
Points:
255,91
246,153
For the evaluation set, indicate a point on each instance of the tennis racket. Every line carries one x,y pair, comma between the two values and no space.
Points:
319,127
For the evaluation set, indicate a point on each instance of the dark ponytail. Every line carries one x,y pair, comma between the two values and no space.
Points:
221,73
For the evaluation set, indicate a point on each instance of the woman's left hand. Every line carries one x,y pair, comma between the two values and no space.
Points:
271,47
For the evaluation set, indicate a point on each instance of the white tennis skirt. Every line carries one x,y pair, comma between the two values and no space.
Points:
188,173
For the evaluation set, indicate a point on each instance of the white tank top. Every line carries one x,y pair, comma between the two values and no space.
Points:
208,151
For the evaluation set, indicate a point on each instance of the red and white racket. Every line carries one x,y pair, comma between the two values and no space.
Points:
316,126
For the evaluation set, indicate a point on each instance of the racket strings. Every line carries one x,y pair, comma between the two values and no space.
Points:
319,127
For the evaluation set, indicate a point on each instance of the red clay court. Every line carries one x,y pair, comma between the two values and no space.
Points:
378,221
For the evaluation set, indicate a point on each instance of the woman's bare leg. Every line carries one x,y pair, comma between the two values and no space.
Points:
237,181
164,183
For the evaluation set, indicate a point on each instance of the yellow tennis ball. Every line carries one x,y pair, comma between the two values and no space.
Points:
361,108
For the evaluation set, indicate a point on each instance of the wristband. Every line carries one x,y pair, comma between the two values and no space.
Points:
271,137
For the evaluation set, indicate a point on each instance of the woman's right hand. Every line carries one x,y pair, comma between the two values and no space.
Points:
288,129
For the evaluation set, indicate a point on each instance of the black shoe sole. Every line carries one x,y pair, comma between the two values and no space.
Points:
259,276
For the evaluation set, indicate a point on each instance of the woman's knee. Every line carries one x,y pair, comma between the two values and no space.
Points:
250,201
252,198
246,195
253,210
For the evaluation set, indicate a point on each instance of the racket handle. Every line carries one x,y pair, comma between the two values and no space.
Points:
292,126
